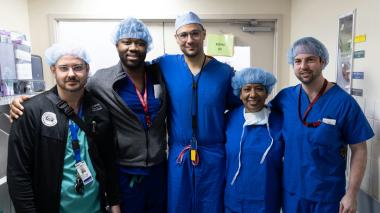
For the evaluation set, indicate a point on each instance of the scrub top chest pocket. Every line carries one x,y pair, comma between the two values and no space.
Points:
325,134
326,143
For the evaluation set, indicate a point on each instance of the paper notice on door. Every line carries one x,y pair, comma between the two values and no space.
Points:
241,58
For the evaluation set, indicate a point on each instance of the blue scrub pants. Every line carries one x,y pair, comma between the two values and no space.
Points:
245,206
295,204
148,194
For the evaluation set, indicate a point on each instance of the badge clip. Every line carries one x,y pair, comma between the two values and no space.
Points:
194,151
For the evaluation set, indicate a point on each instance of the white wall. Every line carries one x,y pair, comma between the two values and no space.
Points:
148,9
14,16
320,19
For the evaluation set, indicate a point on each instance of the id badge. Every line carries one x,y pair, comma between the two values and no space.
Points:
193,155
157,91
84,173
329,121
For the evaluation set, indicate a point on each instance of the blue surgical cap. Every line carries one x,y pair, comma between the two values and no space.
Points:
252,75
308,45
133,28
187,18
57,50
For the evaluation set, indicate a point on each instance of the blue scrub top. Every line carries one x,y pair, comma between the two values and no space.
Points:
315,158
214,97
258,186
127,92
197,188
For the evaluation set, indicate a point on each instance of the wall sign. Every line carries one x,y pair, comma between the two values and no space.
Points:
220,45
358,75
359,54
357,92
360,38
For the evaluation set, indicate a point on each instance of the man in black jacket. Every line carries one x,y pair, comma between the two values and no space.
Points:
135,93
60,152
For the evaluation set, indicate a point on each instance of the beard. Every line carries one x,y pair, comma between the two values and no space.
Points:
192,53
305,80
309,78
78,86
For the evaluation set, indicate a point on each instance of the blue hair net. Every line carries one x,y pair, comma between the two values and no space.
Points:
252,75
187,18
57,50
133,28
308,45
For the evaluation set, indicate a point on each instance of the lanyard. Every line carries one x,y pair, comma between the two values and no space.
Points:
194,101
194,157
306,113
74,137
144,102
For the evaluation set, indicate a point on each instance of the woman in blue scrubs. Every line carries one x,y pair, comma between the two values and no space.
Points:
254,146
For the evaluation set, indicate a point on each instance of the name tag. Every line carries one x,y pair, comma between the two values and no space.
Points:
84,173
157,91
329,121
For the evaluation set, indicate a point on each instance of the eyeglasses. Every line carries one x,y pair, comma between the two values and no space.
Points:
195,34
75,68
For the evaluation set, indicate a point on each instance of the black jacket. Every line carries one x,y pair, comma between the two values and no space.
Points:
137,147
36,153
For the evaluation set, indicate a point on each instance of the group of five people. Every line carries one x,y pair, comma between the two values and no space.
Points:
290,154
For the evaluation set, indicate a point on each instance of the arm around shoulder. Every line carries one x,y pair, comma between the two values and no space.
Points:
16,108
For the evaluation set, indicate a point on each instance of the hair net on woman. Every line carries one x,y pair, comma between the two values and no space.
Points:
308,45
253,76
57,50
133,28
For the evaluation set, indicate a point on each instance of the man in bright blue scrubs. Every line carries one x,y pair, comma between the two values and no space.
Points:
320,121
199,91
